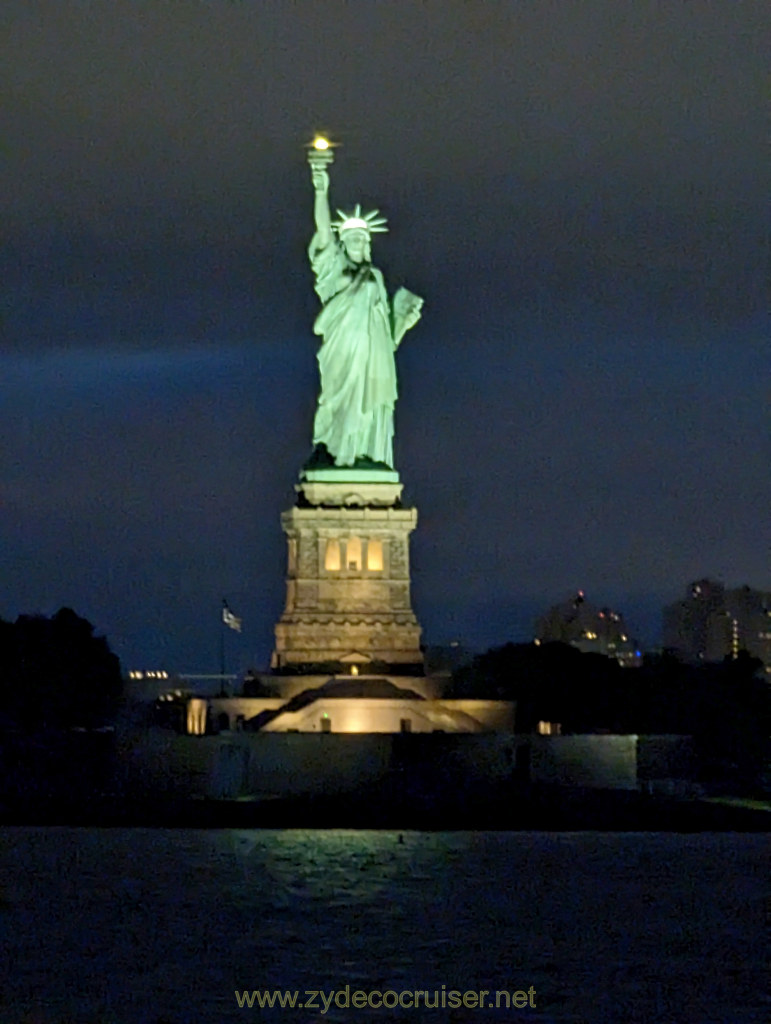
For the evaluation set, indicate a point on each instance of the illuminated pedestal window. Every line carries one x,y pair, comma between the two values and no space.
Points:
332,556
375,555
353,554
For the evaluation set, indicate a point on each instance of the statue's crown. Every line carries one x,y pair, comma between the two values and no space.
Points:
369,222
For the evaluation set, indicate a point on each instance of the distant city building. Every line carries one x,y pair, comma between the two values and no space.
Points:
590,628
712,623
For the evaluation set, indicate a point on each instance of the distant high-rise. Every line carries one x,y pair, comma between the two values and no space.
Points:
589,628
712,623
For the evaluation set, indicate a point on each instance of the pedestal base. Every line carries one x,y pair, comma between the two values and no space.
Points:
348,579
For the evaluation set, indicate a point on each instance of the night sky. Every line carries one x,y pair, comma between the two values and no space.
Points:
578,190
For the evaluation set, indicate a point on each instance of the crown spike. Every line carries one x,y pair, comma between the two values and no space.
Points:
369,222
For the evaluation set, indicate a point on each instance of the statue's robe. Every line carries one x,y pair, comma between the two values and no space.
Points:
355,414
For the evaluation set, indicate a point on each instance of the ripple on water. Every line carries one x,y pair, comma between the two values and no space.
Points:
151,925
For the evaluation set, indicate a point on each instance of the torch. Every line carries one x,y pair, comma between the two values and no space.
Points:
320,154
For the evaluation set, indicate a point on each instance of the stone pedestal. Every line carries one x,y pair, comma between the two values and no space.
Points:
348,576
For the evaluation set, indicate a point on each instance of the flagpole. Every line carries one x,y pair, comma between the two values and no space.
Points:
222,652
232,622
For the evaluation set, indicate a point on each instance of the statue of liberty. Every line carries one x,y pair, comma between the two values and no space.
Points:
360,330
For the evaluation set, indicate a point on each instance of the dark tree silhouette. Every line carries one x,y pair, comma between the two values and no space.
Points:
726,707
551,682
55,674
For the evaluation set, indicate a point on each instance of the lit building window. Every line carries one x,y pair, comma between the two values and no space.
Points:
353,553
332,556
549,728
375,555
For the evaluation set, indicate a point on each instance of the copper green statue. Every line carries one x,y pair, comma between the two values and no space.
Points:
360,330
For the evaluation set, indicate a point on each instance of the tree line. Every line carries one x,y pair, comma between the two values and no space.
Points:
55,673
725,706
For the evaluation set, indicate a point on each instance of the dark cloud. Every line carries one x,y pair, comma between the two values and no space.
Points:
577,190
153,170
143,99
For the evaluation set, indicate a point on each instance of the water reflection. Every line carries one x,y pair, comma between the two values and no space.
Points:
144,926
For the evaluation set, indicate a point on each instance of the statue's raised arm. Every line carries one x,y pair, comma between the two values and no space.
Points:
360,330
320,179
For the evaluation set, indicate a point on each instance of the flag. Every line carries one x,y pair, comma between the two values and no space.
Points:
229,618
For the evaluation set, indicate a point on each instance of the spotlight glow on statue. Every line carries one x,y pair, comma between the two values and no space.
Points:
360,328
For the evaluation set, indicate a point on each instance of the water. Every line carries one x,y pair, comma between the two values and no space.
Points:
162,927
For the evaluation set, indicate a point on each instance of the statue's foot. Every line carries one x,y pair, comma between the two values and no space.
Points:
320,458
364,462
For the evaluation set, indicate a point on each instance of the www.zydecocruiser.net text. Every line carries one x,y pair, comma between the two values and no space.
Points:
321,1001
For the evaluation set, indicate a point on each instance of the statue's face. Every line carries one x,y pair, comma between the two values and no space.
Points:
356,244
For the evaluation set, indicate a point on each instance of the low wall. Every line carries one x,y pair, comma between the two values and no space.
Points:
668,765
293,764
162,763
592,762
665,757
296,764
